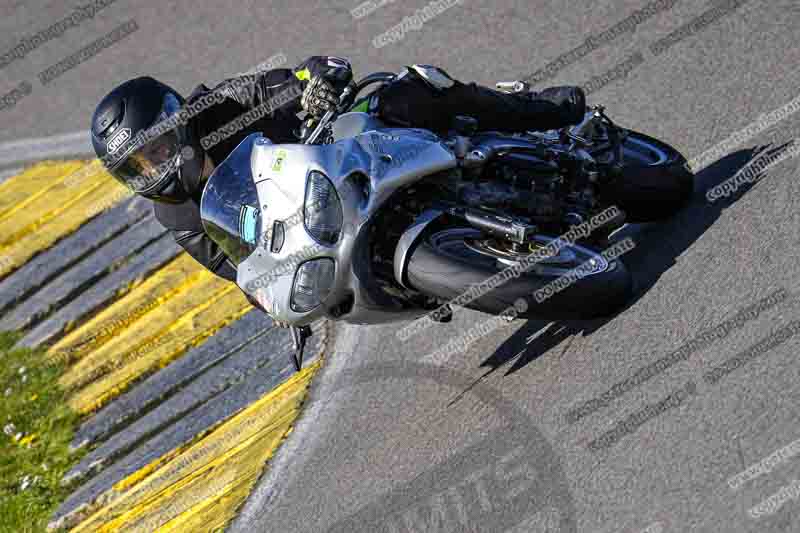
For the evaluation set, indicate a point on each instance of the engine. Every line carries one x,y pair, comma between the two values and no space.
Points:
549,192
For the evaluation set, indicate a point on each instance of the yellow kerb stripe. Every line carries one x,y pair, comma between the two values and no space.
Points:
35,223
168,282
190,330
201,487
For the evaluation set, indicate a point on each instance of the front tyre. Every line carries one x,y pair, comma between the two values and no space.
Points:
453,261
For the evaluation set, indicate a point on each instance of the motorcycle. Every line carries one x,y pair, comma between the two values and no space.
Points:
368,223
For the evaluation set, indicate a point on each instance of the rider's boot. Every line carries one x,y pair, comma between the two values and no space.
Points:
570,98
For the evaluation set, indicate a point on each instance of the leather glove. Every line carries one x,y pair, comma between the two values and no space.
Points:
324,90
319,96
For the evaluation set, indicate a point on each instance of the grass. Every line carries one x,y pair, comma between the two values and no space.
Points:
36,427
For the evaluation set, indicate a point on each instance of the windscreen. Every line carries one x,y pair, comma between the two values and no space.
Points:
229,207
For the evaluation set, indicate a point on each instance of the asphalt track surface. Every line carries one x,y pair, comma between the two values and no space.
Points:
480,440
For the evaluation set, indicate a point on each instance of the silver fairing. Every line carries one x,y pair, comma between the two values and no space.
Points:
390,159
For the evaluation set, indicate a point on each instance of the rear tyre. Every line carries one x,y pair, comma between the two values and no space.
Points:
655,182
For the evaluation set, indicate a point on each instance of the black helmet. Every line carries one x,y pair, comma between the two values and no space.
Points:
140,133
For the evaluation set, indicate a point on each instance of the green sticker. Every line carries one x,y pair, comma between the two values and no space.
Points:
277,163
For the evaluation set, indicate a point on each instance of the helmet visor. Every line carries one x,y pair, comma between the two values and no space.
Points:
150,166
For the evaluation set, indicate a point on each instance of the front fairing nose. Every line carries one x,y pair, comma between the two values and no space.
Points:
280,174
229,208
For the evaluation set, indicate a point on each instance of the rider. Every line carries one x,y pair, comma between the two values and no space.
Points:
164,147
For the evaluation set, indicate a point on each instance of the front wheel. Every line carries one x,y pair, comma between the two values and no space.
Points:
479,272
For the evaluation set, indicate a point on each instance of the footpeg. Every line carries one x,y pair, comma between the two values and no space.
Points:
513,87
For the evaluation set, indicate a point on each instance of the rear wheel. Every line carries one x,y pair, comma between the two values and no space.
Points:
452,261
655,183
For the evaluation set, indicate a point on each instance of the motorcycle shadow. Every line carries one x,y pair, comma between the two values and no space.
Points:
657,247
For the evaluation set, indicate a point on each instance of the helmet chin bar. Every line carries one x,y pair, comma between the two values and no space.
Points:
172,193
187,180
190,173
193,159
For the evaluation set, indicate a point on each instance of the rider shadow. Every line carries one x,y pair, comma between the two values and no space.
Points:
657,247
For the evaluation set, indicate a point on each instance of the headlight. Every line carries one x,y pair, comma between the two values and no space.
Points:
322,211
312,284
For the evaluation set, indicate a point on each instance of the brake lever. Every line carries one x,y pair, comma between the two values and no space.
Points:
323,123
